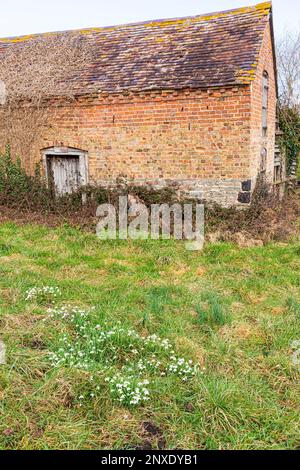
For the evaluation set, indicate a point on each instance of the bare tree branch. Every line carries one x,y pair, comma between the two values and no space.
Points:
288,56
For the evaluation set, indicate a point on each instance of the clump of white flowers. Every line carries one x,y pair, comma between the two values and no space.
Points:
130,361
71,354
157,341
45,293
128,390
181,367
68,312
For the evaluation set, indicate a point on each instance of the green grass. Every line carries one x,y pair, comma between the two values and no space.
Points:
213,312
234,312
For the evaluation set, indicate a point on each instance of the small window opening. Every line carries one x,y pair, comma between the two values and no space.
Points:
277,174
278,167
263,161
265,103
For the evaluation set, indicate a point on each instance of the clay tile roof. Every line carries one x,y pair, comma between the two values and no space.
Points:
212,50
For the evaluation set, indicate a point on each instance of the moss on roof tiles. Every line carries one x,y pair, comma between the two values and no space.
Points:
198,52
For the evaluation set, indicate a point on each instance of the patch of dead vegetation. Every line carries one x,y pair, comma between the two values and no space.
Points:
9,295
241,239
119,423
265,220
254,299
83,217
180,270
23,322
201,271
279,311
14,257
189,347
81,272
241,332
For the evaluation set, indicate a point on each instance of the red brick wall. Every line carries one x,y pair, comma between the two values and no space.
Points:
258,142
199,136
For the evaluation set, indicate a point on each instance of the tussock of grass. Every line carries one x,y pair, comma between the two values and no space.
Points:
212,312
234,312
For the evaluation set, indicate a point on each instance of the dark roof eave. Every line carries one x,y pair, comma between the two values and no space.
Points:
157,90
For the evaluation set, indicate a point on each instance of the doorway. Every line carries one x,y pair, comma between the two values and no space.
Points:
63,174
66,170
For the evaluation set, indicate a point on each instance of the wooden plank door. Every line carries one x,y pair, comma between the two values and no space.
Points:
63,172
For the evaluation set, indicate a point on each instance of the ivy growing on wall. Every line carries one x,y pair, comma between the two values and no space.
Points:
17,187
290,139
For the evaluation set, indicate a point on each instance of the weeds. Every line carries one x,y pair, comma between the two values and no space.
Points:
20,189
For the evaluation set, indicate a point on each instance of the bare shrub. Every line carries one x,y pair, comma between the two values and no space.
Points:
34,73
288,57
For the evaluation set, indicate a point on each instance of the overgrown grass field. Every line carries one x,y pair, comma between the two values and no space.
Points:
144,345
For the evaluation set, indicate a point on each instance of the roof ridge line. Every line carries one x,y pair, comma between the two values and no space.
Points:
260,7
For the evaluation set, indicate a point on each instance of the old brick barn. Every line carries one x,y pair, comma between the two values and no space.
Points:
188,101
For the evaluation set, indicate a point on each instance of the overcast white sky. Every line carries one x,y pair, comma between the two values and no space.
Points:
19,17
